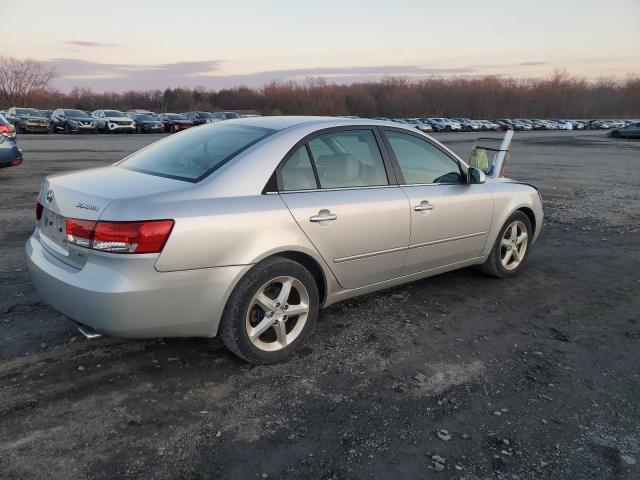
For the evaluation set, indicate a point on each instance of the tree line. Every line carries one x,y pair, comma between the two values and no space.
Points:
561,95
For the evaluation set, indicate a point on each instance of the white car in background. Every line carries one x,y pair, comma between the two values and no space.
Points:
113,121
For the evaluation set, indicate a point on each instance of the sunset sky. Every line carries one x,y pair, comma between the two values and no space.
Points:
120,45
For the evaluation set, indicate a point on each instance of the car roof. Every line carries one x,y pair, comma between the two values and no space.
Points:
284,122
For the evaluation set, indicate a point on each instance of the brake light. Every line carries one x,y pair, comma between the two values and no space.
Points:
6,128
120,237
38,209
80,232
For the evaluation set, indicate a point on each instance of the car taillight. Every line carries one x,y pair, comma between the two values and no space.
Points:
120,237
38,209
6,128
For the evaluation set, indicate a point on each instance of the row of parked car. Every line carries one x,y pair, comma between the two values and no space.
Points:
437,124
67,120
64,120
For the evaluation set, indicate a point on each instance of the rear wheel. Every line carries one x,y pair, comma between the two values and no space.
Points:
270,312
511,248
173,129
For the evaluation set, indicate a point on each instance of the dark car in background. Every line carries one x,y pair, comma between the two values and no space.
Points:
200,118
7,129
174,122
503,124
226,115
67,120
140,111
630,131
146,123
10,153
28,120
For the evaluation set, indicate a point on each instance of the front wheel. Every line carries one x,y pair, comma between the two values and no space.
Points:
511,247
270,312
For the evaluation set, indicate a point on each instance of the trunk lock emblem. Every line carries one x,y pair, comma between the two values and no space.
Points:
49,195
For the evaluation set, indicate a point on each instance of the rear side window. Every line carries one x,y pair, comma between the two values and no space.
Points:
297,174
348,159
196,153
421,162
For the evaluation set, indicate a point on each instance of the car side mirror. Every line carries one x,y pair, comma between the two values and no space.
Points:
475,176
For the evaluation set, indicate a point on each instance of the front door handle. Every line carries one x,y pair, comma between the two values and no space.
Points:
424,206
323,216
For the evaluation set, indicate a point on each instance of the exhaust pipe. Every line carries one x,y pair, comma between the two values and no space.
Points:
89,333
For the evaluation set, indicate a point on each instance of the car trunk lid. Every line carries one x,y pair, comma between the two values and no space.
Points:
85,195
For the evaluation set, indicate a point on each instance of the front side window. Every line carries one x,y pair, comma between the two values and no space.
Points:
421,162
196,153
297,173
348,159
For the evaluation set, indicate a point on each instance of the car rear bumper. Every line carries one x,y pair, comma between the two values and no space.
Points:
127,297
10,163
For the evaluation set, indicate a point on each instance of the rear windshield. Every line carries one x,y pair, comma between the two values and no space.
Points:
195,153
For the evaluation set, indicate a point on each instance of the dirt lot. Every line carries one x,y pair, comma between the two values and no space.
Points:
537,377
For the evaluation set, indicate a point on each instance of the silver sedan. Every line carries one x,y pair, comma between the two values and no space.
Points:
244,229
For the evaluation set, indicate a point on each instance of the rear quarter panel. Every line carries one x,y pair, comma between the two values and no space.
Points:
216,232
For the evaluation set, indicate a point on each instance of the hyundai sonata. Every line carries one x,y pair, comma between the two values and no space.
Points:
244,229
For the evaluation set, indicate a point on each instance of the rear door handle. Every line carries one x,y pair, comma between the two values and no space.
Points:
424,205
323,216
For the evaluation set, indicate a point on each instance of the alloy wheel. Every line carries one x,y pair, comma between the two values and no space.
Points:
277,313
513,245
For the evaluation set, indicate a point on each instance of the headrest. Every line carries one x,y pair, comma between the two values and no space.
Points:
340,168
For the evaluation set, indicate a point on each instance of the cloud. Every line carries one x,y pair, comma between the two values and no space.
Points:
78,43
118,77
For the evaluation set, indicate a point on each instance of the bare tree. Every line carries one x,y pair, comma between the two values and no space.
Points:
21,80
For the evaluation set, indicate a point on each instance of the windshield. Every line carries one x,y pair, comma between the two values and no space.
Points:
205,115
75,113
194,154
144,118
175,116
28,112
113,113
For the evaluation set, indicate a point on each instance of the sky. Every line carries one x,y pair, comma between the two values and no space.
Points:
121,45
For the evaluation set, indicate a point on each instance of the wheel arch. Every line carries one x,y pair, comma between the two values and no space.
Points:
322,275
532,217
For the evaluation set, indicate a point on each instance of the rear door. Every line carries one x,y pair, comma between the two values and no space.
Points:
340,189
450,219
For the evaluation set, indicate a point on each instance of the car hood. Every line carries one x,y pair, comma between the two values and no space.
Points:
81,119
121,119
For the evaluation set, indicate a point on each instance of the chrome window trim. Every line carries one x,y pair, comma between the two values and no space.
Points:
335,189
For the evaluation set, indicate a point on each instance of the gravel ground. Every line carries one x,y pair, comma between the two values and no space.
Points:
456,376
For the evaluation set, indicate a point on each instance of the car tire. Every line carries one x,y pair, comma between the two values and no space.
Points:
244,312
173,129
66,129
495,265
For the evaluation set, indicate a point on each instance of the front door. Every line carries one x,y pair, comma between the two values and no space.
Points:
450,219
337,189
